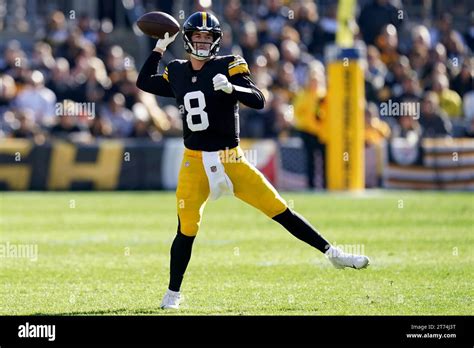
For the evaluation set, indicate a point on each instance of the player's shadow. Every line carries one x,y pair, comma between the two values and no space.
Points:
118,311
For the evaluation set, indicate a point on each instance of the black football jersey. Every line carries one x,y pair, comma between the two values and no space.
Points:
210,118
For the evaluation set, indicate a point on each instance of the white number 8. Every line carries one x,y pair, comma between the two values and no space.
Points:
198,110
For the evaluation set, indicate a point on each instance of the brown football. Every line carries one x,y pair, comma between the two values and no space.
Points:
156,24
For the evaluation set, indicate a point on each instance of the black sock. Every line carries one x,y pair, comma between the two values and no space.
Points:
302,229
180,256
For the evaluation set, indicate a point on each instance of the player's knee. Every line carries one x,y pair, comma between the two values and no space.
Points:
278,206
189,229
277,209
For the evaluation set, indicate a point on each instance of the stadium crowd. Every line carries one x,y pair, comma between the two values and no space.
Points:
74,62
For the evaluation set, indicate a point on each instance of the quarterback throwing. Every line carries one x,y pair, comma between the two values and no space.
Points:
209,88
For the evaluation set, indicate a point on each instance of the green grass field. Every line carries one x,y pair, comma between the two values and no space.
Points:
108,253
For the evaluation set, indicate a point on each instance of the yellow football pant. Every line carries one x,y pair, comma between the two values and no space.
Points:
249,185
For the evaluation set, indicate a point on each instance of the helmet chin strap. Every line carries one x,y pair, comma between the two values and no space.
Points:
203,54
200,58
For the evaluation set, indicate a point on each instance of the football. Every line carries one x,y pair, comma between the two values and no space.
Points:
156,24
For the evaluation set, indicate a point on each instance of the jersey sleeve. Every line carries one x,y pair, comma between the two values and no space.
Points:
247,92
238,65
245,89
152,82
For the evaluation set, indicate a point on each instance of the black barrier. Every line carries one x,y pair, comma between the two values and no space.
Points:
103,165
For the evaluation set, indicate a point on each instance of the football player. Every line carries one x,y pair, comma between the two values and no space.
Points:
208,88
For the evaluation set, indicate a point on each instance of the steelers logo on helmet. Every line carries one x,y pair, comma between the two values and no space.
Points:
202,22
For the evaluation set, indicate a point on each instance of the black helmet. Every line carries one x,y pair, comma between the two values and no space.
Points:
202,21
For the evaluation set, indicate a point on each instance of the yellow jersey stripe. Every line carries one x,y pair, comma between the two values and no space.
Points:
239,69
165,74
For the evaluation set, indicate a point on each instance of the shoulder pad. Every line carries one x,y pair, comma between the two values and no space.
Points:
237,65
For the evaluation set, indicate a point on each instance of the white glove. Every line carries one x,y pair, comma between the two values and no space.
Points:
161,44
222,84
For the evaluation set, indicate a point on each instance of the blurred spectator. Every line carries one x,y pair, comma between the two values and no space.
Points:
119,117
260,73
227,46
103,43
286,84
444,33
394,79
290,52
56,31
88,28
249,41
410,88
159,117
272,56
407,128
71,47
419,60
66,125
99,127
437,57
61,82
37,97
306,22
142,126
449,101
442,27
420,37
433,120
469,34
376,130
15,63
42,58
387,43
468,101
234,17
463,82
173,118
25,127
282,114
469,130
376,15
309,122
375,74
454,46
325,31
7,93
271,20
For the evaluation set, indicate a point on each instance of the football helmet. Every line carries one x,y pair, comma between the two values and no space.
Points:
206,22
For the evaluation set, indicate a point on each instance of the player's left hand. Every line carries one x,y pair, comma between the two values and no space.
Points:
222,84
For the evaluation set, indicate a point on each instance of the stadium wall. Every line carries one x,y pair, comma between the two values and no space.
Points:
433,164
145,165
108,164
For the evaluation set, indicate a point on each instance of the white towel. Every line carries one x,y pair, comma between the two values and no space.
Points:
219,182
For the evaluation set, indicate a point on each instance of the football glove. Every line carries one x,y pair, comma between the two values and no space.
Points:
222,84
161,44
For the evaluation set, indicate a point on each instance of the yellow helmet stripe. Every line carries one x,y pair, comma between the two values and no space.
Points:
204,19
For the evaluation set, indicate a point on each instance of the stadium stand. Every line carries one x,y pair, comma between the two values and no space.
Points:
71,77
